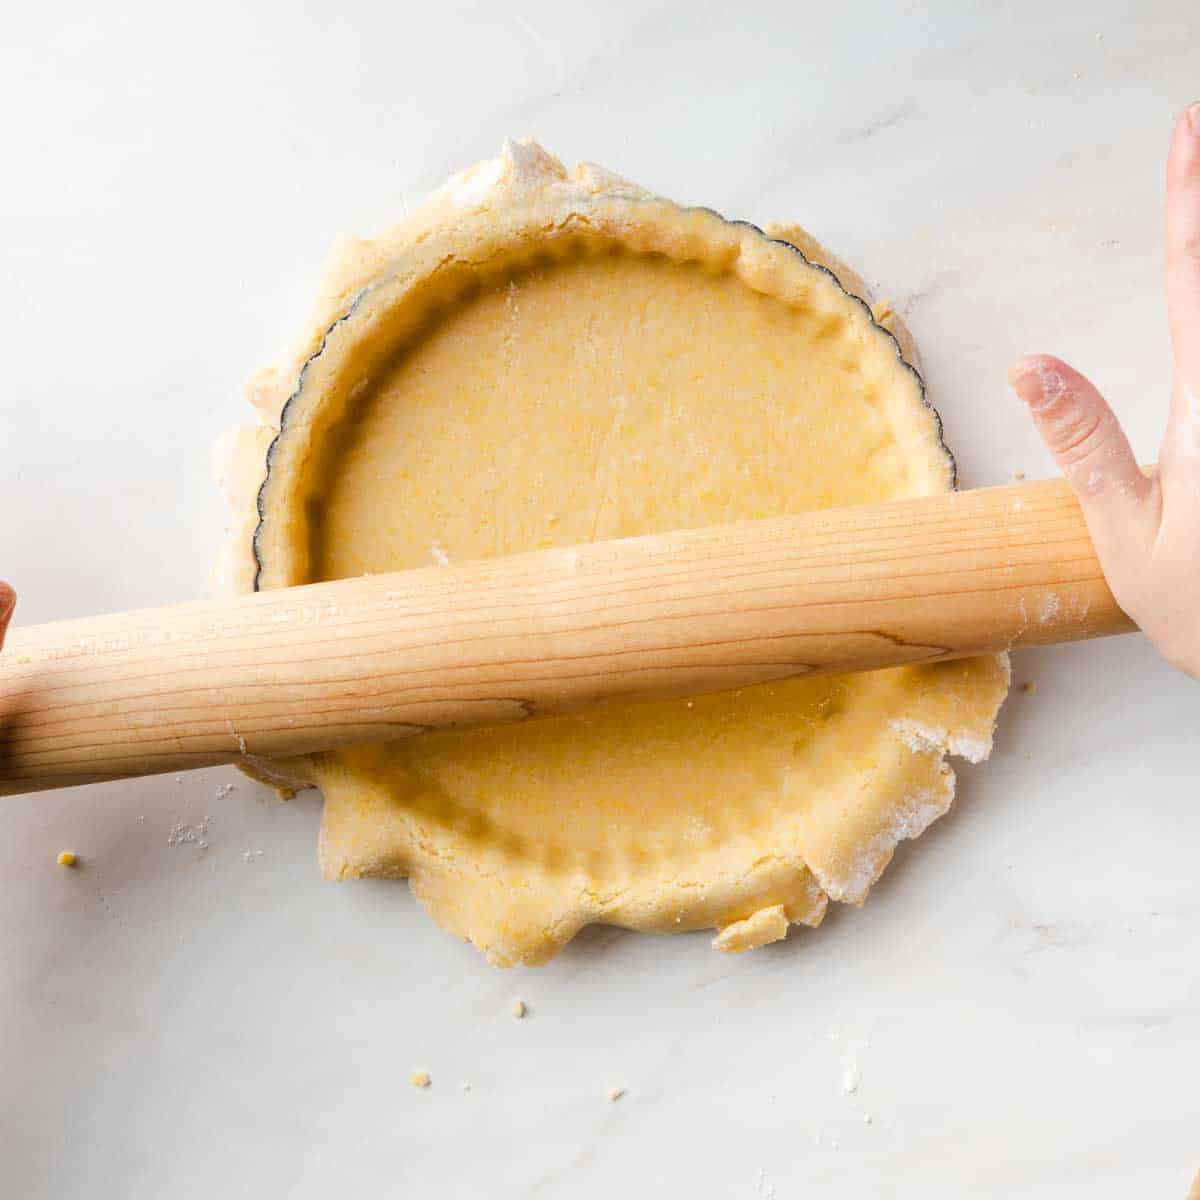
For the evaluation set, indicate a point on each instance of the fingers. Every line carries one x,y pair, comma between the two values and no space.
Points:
1089,445
1183,247
8,601
1081,431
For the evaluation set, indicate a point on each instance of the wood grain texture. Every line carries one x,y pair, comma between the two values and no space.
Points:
305,669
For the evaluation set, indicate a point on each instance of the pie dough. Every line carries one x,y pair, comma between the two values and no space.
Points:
537,358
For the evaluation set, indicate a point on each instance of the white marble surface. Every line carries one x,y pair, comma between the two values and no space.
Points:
1020,1000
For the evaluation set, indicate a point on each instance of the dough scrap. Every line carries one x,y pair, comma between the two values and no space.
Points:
759,929
537,357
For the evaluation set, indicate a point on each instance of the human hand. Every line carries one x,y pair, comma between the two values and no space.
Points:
8,601
1146,529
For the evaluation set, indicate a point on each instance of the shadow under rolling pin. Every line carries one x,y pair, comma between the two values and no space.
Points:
506,639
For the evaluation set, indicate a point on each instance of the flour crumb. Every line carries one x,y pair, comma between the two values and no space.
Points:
252,855
464,1086
614,1094
420,1079
183,834
67,858
866,1118
850,1078
1018,474
224,790
439,555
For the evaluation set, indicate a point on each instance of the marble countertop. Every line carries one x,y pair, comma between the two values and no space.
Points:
192,1013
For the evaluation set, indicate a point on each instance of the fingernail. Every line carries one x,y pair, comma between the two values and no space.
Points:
1021,371
1028,379
8,601
1193,114
1038,384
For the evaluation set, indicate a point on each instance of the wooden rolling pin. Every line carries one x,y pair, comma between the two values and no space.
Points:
305,669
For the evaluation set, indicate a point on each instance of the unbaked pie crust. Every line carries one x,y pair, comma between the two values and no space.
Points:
537,358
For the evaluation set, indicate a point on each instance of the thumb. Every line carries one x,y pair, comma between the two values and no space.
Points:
1120,504
8,601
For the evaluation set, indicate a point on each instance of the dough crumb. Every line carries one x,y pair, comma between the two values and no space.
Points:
67,858
614,1094
420,1079
286,793
466,1087
519,1009
1030,687
1018,474
850,1079
883,312
758,929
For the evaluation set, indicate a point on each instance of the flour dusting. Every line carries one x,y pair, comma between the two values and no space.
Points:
909,820
237,737
922,739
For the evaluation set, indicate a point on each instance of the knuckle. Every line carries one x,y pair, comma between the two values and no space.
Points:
1079,433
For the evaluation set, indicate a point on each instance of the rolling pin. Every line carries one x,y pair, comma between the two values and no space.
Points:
304,669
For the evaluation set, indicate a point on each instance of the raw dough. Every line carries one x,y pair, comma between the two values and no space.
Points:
539,358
